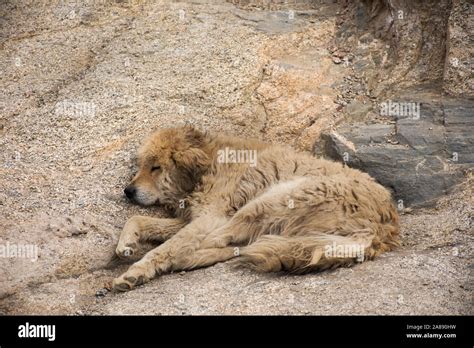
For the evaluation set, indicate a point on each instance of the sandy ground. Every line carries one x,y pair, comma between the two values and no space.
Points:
83,83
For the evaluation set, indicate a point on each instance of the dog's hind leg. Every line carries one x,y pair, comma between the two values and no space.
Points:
266,214
145,229
301,254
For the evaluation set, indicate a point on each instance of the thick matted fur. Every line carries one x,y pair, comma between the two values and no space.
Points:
285,210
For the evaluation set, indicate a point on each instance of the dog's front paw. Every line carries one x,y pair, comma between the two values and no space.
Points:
135,276
125,251
123,283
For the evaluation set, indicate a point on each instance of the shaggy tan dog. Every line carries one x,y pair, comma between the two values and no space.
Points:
267,206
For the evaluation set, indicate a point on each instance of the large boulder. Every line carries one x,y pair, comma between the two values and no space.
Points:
418,156
402,119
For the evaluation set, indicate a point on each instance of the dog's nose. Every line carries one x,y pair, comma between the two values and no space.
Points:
130,191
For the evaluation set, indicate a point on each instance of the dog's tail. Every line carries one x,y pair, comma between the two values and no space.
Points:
301,254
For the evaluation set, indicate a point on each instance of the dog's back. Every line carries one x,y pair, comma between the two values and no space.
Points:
300,208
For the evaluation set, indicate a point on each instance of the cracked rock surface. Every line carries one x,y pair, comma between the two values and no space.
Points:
419,157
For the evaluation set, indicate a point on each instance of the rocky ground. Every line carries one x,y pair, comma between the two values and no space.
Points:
84,82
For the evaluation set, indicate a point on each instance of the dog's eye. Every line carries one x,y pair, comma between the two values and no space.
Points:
155,168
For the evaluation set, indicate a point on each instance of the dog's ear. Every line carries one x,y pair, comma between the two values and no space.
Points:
193,160
193,137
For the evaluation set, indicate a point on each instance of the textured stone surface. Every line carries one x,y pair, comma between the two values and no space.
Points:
397,43
406,52
419,159
458,78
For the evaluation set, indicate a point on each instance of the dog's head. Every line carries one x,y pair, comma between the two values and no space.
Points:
171,163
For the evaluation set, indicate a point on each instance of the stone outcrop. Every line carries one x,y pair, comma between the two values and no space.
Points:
406,54
418,156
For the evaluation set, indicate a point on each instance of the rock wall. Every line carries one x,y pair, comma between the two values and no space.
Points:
458,78
408,104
